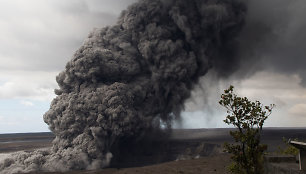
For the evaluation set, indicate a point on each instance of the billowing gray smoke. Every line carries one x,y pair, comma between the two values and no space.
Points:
131,78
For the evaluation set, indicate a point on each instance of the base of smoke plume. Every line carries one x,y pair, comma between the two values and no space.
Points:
46,161
70,158
147,149
132,155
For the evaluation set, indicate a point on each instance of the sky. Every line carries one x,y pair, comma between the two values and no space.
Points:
39,37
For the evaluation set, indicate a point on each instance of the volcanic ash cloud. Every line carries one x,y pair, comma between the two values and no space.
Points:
129,78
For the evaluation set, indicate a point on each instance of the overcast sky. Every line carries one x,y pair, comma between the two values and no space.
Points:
39,37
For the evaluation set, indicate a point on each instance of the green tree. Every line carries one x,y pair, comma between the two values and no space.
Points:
288,149
248,117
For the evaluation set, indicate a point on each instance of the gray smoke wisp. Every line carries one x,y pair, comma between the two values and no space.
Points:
129,79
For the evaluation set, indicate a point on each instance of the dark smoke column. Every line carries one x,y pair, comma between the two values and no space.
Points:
128,77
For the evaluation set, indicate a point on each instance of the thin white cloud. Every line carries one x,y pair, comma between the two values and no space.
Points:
31,85
298,109
27,103
6,121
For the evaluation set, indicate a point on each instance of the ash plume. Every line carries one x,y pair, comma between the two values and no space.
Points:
273,39
128,80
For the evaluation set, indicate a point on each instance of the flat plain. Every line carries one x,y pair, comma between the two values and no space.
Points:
188,150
